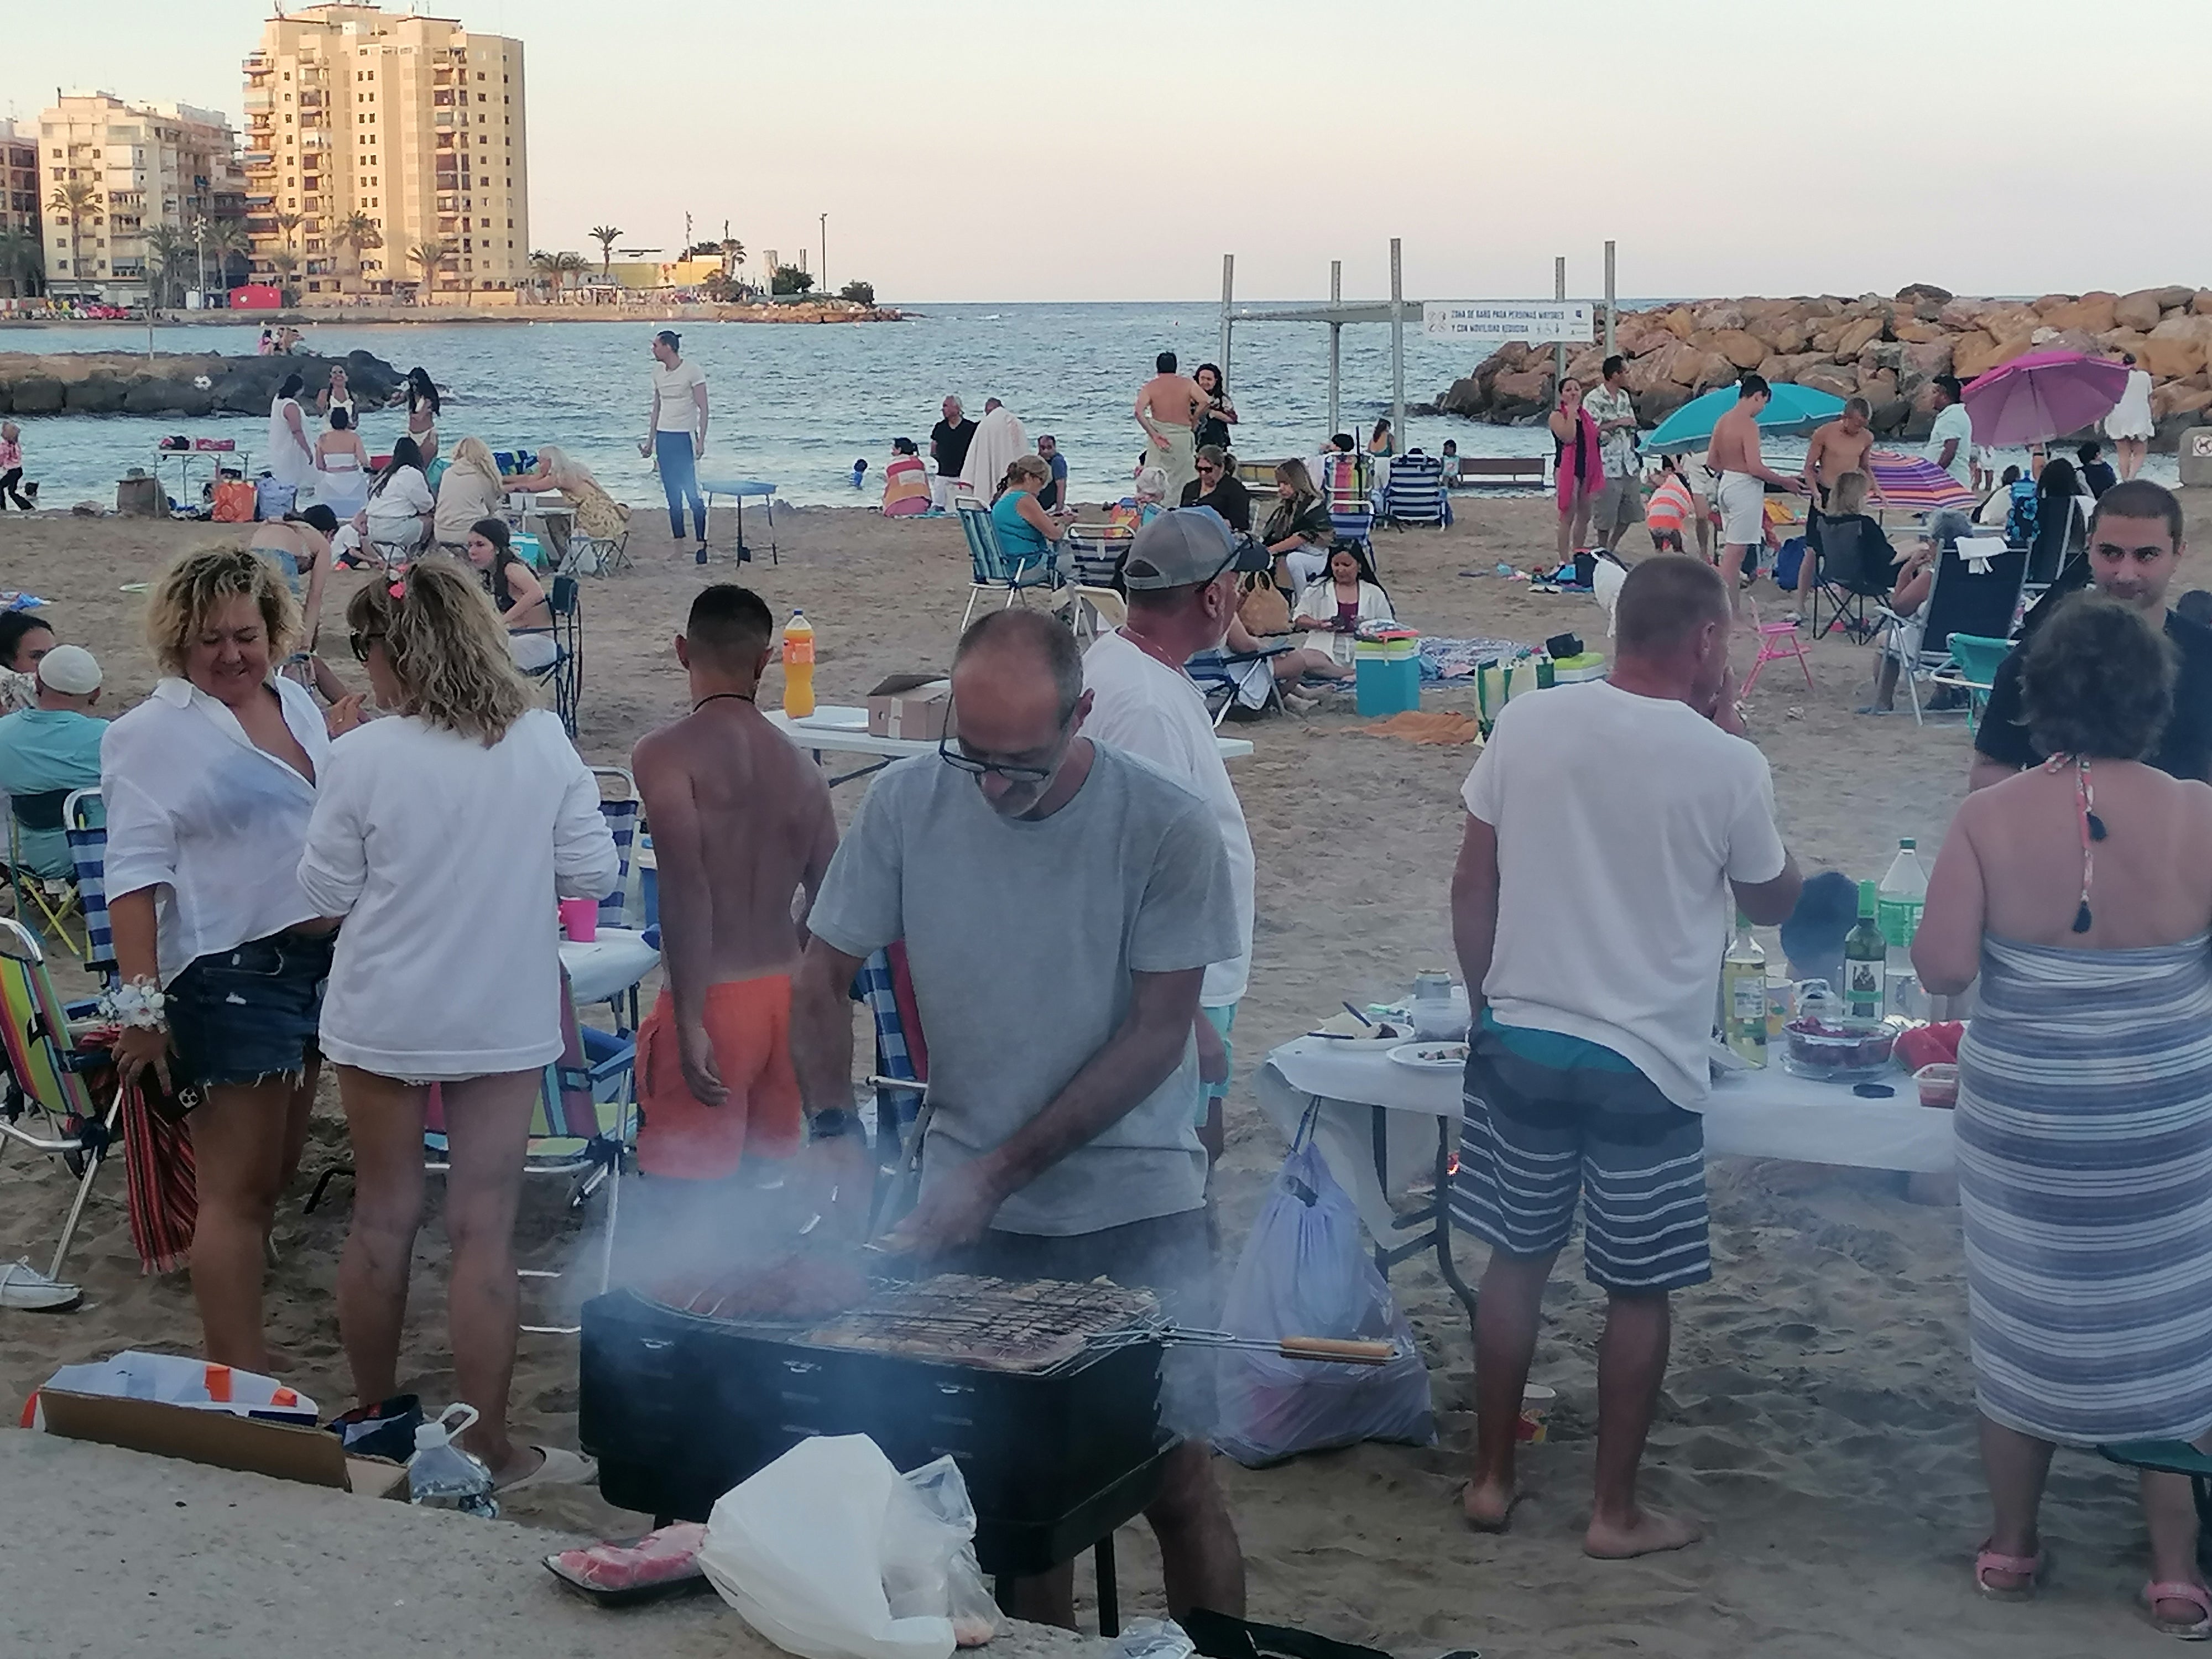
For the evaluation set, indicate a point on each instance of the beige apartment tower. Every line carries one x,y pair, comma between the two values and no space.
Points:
133,167
414,124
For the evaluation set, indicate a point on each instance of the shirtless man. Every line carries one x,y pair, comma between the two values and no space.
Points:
1169,409
741,824
1734,456
1840,446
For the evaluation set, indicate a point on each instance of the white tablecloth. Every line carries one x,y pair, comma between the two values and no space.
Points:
1768,1114
602,969
832,730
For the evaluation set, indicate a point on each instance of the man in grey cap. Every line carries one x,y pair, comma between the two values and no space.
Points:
1181,575
46,751
1060,901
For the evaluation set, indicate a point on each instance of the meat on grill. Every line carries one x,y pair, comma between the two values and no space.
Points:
798,1285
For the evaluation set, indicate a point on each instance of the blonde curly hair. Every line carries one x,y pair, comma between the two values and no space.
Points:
191,588
446,648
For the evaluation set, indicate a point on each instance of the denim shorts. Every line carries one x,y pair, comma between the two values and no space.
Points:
238,1016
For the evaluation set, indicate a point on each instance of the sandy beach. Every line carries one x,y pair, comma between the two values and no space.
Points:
1819,1408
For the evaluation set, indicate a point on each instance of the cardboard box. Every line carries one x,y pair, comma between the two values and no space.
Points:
910,706
283,1451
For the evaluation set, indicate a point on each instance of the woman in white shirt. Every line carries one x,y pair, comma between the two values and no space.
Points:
341,467
444,835
397,517
208,786
2131,425
1330,610
291,456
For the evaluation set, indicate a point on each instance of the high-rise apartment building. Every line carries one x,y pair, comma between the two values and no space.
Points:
131,166
408,129
20,196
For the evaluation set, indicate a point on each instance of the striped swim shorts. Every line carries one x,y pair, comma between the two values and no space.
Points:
1536,1136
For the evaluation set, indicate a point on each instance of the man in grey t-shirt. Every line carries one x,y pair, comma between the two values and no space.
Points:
1059,902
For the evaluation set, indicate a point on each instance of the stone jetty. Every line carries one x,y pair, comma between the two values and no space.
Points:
1885,350
187,384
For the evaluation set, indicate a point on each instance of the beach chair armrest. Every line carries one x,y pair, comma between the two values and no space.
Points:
2160,1457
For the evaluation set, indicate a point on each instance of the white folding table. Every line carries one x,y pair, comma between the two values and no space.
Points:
832,730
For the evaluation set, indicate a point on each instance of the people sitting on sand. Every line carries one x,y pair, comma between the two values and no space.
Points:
597,514
906,481
1028,535
461,745
524,610
1054,497
1151,493
47,750
1299,531
24,638
1330,610
1844,521
1449,456
396,521
208,786
299,545
2063,507
1994,512
2084,1114
342,470
471,489
1914,580
1219,487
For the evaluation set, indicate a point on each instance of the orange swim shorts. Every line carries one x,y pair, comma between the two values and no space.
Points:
749,1025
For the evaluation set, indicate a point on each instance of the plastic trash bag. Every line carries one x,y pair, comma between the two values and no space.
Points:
831,1553
1304,1273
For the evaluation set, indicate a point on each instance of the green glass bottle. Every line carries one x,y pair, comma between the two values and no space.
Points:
1865,951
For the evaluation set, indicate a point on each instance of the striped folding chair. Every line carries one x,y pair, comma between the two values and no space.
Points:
989,569
1344,492
85,824
1415,494
620,956
50,902
901,1078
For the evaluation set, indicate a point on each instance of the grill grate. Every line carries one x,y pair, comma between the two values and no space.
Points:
993,1323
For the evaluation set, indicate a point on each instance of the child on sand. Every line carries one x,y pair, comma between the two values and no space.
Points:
741,823
11,468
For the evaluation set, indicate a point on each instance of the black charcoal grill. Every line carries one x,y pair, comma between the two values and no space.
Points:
1046,1394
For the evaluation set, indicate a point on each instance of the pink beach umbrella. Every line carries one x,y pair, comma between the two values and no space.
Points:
2044,395
1912,484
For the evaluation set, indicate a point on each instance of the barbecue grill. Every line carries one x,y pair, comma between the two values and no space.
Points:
1046,1394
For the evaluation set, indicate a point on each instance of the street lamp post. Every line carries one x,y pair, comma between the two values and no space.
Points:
825,256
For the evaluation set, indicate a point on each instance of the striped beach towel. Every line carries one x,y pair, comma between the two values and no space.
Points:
160,1183
2085,1185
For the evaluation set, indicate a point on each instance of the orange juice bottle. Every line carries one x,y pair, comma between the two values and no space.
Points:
799,666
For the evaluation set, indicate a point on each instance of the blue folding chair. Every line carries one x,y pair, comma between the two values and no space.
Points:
1221,674
1415,494
990,571
565,673
1344,492
85,822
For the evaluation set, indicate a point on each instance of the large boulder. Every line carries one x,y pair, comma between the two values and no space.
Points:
1585,368
2120,339
37,394
1912,292
1890,414
1467,398
1652,369
2044,305
1779,368
1677,321
1926,358
1712,369
1975,353
2176,399
1718,314
1839,380
1660,401
2175,296
1852,336
1518,396
1962,314
96,394
2138,311
1914,331
2065,339
2171,356
2200,303
2165,434
1741,347
2007,322
2092,313
151,396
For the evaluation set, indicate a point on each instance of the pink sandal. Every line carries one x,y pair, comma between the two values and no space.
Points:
2196,1595
2030,1567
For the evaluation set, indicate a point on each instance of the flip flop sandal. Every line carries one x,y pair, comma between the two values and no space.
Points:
2030,1567
560,1468
2195,1594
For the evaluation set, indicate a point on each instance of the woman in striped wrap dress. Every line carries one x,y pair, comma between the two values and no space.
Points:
2079,894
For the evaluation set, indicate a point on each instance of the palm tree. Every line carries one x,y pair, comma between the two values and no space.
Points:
357,231
606,236
286,265
430,255
167,248
733,255
227,239
571,264
22,261
547,267
74,200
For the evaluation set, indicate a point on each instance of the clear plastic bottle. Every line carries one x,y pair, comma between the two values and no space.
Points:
799,666
1898,901
1743,995
441,1476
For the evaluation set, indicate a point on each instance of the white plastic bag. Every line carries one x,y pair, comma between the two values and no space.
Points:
1303,1273
831,1553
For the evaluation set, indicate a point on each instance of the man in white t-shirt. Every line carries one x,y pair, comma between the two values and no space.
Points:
1612,828
1180,573
678,436
1951,441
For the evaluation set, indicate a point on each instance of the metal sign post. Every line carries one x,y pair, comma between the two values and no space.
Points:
1612,303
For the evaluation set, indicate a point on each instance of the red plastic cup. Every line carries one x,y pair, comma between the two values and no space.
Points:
580,918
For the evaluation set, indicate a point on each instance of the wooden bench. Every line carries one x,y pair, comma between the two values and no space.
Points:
1483,472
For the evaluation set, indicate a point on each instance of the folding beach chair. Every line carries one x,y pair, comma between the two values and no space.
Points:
1415,494
602,555
1981,604
901,1078
2174,1457
1778,642
1221,675
46,902
47,1100
1973,669
1853,573
620,956
989,570
1345,493
84,821
565,673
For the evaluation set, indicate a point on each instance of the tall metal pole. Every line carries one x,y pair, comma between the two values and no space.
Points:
1335,337
1397,344
1228,297
825,255
1559,351
1612,305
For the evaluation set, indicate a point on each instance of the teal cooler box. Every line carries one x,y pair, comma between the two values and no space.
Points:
1388,670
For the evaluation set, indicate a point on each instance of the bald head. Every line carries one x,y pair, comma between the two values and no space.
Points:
1666,606
1024,654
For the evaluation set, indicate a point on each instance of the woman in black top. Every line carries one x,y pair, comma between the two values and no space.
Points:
2062,516
515,589
1219,487
1299,531
1220,414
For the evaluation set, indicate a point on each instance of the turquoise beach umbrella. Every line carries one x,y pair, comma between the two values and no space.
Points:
1792,409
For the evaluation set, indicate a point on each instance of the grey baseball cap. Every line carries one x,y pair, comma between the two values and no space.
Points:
1185,546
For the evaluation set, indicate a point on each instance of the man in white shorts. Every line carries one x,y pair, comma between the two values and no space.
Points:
1734,455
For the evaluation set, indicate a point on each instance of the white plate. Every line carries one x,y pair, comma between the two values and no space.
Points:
1430,1056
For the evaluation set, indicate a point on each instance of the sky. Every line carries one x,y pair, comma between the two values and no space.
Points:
1116,150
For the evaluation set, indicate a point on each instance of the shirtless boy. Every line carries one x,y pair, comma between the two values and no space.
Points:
1734,456
1840,446
741,824
1169,409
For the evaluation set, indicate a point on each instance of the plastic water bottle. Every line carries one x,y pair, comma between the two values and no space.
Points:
799,666
1903,893
441,1476
1743,995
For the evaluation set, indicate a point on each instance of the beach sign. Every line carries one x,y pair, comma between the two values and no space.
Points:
1495,322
